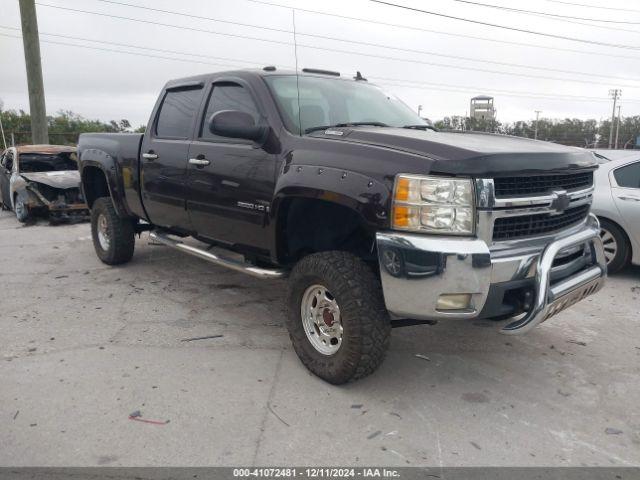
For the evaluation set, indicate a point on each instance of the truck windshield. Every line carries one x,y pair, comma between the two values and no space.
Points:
328,101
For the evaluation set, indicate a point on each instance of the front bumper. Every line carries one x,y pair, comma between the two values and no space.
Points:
417,270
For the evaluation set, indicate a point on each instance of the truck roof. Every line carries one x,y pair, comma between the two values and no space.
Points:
254,72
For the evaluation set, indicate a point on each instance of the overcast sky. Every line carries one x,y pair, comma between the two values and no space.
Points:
107,85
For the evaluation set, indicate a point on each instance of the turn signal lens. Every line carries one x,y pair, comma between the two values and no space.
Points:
402,190
406,217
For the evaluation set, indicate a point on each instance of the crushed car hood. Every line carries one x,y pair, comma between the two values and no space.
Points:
63,179
470,153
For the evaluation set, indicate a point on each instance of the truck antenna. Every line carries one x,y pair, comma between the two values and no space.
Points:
295,52
359,77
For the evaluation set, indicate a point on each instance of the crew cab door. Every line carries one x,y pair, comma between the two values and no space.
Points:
231,181
164,156
626,194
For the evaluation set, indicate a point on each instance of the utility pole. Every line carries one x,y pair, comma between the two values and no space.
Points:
31,42
618,127
615,94
535,132
419,110
4,140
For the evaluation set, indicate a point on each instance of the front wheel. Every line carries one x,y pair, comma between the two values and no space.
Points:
113,236
23,214
337,320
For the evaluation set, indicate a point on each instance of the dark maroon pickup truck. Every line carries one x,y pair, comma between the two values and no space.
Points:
377,219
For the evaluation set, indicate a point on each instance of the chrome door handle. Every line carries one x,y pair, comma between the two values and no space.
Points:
633,199
150,156
201,162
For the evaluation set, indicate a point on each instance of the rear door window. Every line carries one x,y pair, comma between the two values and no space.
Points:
628,176
177,113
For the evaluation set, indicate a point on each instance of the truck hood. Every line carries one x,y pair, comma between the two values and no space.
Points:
62,179
474,154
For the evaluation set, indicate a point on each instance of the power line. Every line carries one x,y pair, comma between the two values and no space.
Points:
246,37
128,45
416,85
201,17
319,36
505,93
513,93
252,62
410,50
576,22
505,27
388,80
594,6
351,52
440,32
459,57
546,14
125,52
458,67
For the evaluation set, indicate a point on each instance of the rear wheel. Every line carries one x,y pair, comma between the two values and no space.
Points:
113,236
336,318
616,245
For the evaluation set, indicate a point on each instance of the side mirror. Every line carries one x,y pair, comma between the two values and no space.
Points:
236,124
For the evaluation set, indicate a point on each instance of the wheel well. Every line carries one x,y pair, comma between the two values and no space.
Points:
311,225
624,232
94,184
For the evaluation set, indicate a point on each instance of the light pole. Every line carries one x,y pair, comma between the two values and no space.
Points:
4,141
615,93
35,84
535,132
617,127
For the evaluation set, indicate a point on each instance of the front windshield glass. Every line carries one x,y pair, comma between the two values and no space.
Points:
328,101
47,162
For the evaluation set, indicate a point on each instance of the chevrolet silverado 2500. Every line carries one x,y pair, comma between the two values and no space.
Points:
377,219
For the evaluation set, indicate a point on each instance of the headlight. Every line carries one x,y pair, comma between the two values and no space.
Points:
433,204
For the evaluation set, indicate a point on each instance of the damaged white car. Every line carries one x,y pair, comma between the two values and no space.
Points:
41,180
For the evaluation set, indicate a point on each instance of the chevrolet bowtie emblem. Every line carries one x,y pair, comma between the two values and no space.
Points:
560,201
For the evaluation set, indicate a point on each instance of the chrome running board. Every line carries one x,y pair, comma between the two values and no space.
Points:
238,266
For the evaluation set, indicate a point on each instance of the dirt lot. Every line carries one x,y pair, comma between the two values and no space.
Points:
84,345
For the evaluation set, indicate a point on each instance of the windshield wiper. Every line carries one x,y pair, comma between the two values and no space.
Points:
421,127
349,124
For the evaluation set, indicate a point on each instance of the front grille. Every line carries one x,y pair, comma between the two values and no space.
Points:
509,228
541,184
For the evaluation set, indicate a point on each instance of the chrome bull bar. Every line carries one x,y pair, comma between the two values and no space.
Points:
551,299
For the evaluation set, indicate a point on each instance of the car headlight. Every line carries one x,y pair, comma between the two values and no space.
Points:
433,204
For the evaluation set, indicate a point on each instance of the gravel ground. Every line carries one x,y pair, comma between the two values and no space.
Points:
84,345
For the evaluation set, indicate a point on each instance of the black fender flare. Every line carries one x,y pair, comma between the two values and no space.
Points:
109,167
366,196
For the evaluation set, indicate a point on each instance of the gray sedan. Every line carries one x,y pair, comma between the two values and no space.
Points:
617,204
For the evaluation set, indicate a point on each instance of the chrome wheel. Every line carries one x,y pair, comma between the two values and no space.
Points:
321,319
103,233
610,245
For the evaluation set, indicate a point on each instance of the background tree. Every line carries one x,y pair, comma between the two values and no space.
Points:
64,127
